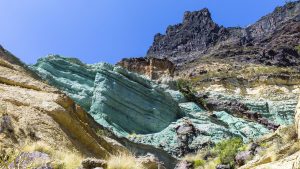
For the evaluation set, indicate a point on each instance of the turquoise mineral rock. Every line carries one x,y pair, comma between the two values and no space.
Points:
130,102
135,107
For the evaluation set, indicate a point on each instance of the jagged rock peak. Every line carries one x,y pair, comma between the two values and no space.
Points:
197,32
196,15
198,35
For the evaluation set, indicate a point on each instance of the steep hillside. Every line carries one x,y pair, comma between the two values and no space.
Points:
32,111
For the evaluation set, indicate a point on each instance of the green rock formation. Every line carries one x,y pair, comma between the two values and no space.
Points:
132,106
132,103
69,75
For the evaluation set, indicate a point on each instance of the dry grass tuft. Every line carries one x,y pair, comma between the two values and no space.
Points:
62,159
40,147
67,160
124,161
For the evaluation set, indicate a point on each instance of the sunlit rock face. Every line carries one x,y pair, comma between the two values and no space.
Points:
70,75
154,68
128,101
31,111
135,107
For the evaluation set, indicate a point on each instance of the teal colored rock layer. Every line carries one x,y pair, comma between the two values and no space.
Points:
280,109
132,106
210,130
132,103
69,75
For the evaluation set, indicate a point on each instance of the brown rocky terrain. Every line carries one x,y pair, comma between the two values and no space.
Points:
154,68
33,111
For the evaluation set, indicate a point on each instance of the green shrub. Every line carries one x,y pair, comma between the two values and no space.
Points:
298,49
183,84
227,150
186,88
198,163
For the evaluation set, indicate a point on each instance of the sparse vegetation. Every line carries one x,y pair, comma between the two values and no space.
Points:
227,150
188,91
124,161
222,153
298,49
61,159
103,132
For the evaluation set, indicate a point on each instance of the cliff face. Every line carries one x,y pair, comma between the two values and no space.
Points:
153,68
270,41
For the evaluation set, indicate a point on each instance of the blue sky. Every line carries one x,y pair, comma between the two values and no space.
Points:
107,30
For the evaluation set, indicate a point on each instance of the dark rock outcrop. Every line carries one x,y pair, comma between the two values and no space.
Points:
239,109
28,160
91,163
270,41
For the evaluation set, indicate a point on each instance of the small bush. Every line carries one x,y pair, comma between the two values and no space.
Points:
198,163
103,132
186,88
298,49
124,161
227,150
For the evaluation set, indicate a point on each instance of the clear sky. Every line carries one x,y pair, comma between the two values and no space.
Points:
107,30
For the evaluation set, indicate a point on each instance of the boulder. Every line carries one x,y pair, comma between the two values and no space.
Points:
184,165
33,159
223,166
150,162
91,163
242,157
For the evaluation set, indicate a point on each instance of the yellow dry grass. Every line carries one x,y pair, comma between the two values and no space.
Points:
61,159
124,161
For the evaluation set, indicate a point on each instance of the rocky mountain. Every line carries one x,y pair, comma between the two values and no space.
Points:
269,41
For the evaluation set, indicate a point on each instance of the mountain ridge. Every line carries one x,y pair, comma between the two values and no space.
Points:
198,36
